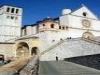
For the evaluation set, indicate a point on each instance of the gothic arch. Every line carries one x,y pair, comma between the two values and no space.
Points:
22,49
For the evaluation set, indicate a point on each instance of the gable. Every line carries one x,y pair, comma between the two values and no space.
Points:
84,12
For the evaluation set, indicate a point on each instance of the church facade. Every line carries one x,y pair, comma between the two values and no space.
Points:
71,24
80,23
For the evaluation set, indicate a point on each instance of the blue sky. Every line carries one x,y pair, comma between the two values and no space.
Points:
35,10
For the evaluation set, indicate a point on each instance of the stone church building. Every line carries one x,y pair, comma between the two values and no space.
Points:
61,36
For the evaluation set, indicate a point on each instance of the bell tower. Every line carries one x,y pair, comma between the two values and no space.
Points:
10,22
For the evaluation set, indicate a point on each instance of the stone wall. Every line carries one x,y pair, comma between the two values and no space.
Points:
89,60
72,48
7,50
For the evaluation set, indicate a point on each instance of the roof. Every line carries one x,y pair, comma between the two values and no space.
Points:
29,25
6,43
27,37
48,19
10,6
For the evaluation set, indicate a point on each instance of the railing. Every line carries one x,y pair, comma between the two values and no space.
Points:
32,67
91,41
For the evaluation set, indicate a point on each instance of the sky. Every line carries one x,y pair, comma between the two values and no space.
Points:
36,10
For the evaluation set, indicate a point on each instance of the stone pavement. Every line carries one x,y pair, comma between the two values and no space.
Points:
65,68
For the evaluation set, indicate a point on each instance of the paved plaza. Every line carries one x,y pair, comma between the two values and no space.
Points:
65,68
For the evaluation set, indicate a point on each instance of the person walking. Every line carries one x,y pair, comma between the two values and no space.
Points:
56,58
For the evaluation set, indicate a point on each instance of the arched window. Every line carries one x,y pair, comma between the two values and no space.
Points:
52,25
67,27
12,11
34,50
12,17
43,25
63,27
17,10
8,9
84,14
59,27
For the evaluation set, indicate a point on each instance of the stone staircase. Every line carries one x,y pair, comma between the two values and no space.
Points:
52,47
57,44
71,48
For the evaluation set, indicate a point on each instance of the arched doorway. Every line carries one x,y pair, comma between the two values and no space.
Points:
22,49
87,35
34,51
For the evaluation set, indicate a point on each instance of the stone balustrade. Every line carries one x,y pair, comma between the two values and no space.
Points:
32,67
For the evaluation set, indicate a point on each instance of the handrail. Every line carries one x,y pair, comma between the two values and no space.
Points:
32,67
91,41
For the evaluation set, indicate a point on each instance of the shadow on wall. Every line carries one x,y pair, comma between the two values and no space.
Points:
92,61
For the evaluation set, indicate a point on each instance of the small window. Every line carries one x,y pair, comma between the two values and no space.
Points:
53,40
17,10
12,11
43,25
84,14
59,27
16,18
52,25
61,39
63,27
12,17
67,27
8,9
25,33
8,17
